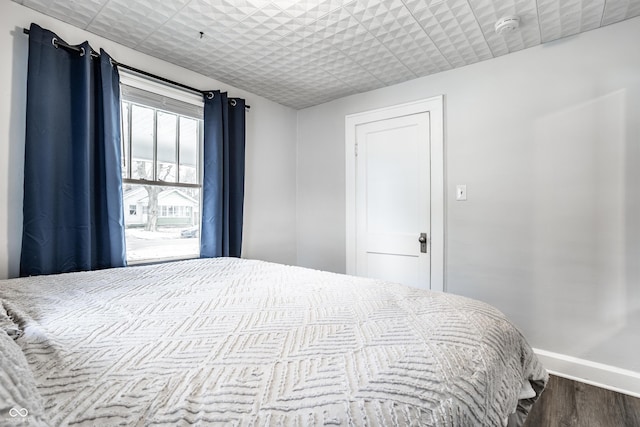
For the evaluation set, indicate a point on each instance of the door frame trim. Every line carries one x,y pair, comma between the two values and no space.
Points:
434,106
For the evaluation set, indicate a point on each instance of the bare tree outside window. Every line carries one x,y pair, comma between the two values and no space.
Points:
152,193
161,183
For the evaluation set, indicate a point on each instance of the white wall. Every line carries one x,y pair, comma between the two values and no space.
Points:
269,231
547,141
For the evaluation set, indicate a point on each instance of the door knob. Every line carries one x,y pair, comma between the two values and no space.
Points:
423,242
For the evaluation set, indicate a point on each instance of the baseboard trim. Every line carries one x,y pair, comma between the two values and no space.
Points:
593,373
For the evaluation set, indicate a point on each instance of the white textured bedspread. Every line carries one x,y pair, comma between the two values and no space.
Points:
241,342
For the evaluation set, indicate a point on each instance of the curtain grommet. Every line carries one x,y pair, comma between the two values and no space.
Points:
232,102
209,95
82,51
54,42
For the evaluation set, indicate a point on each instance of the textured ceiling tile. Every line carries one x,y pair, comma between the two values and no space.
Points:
212,55
334,29
274,20
564,18
378,16
307,11
452,27
413,4
75,13
360,46
619,10
354,76
246,32
421,65
391,23
255,3
351,37
380,62
130,22
487,13
358,81
366,85
189,34
304,85
420,58
391,72
229,40
242,8
40,5
344,68
418,52
213,13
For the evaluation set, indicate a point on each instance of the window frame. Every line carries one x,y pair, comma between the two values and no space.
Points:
174,96
156,181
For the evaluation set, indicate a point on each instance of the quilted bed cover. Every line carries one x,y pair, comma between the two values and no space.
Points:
243,342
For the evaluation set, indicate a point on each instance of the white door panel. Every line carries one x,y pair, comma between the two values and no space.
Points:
393,243
393,199
396,269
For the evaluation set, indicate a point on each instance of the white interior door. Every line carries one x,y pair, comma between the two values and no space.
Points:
389,142
392,209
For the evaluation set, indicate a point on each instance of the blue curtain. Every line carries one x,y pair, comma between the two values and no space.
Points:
223,181
73,213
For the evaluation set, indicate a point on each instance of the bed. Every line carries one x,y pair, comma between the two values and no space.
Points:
230,341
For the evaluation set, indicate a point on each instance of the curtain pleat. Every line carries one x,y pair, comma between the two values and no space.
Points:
236,174
223,178
73,213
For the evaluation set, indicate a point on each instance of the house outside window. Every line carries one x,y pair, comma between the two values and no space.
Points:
162,132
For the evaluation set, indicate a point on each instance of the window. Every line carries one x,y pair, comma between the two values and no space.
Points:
161,146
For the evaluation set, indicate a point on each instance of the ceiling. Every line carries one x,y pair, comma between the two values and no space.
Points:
305,52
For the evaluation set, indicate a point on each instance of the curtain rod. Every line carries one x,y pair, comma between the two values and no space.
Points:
57,43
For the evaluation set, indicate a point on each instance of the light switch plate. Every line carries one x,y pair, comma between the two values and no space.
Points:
461,192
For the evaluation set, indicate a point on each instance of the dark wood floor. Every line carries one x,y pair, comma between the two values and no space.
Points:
566,403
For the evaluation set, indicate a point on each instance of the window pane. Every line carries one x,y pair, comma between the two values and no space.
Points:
167,152
160,229
125,139
189,138
142,142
